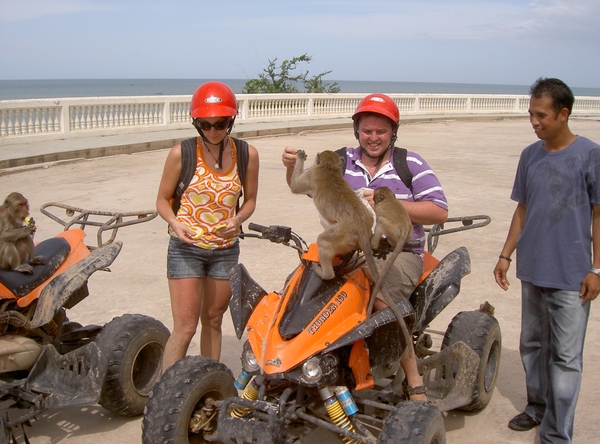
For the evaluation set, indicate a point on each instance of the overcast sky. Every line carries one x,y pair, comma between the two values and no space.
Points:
458,41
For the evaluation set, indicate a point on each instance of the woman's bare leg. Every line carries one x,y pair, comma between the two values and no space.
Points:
214,304
186,299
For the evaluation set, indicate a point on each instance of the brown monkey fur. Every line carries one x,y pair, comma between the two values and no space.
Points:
16,239
393,221
349,220
487,308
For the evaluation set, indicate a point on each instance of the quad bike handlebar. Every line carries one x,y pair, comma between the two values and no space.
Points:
103,220
278,234
281,234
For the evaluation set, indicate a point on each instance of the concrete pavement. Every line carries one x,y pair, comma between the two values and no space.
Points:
476,162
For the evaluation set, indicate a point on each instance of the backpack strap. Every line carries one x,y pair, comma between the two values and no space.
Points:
400,164
188,165
243,157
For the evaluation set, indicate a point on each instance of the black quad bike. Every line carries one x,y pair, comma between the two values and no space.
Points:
312,359
50,361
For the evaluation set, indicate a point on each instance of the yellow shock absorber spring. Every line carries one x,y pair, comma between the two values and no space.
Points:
250,393
51,328
339,418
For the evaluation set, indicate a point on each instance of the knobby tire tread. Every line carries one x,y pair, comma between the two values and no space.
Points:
475,329
413,422
116,341
172,401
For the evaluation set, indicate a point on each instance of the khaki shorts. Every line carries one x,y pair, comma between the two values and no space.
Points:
403,276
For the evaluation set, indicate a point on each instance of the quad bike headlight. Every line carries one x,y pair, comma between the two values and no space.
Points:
249,362
312,370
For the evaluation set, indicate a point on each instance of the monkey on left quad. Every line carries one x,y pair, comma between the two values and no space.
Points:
50,361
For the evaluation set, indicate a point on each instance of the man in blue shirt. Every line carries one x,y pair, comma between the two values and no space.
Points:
555,228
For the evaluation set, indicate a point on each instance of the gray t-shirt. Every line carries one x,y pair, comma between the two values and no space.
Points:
559,189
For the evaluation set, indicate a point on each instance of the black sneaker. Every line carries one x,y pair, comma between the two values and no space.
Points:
522,422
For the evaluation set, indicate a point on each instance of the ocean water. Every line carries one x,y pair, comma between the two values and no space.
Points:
41,89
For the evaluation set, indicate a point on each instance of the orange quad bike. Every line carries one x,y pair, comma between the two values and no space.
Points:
312,359
50,361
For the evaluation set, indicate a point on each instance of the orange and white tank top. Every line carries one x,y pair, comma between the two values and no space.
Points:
209,200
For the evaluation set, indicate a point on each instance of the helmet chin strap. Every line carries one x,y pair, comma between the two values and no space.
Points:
221,143
382,155
379,158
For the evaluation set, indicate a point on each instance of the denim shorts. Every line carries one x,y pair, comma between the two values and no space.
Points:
189,261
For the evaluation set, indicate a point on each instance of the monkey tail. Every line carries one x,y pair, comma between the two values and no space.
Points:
378,287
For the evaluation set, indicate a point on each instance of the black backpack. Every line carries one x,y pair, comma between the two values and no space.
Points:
400,165
188,167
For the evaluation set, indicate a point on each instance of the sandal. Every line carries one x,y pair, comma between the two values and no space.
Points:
411,391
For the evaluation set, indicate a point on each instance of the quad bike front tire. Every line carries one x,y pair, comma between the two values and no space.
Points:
413,422
133,345
180,395
482,333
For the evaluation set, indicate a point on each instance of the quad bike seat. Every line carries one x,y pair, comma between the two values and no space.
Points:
54,250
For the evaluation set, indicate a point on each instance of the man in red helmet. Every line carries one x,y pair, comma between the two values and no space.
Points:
370,166
204,216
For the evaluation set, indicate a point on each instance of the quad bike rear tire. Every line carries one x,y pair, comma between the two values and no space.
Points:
133,345
482,333
180,392
413,422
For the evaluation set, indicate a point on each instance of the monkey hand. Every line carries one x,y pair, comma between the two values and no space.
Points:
30,223
27,230
300,154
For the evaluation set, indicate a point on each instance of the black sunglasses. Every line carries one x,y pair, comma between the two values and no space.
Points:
206,126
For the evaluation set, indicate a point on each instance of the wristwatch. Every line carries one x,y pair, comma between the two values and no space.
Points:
596,271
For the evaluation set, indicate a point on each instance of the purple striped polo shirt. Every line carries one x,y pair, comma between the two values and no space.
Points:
425,184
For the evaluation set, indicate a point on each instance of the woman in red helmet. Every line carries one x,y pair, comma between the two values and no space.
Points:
372,165
203,218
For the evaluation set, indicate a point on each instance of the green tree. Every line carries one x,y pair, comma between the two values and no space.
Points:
315,84
279,79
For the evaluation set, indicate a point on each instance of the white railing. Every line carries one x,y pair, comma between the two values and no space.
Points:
75,117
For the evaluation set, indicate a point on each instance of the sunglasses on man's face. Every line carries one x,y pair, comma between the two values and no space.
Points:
206,126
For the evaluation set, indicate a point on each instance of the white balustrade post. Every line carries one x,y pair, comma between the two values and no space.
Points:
65,119
243,111
166,112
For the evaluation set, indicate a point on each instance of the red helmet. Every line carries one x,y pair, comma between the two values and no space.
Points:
213,99
378,104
